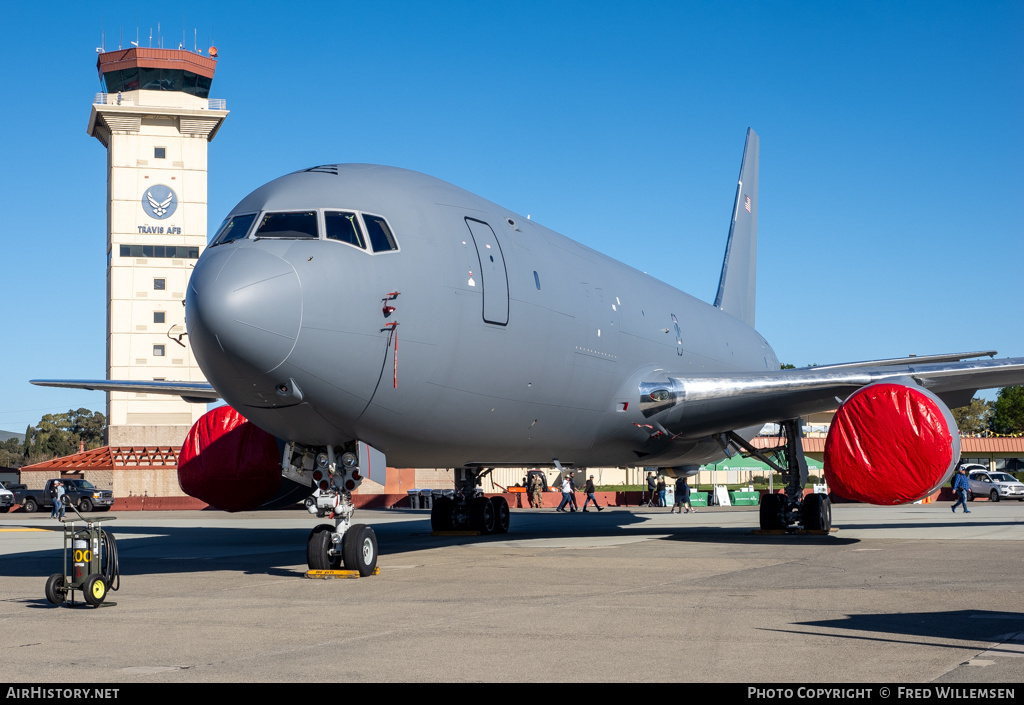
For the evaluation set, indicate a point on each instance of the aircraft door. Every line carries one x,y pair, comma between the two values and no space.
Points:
494,278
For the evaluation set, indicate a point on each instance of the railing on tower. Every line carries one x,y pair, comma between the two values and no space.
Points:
116,99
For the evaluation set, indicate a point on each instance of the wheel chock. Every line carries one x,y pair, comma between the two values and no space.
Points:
328,574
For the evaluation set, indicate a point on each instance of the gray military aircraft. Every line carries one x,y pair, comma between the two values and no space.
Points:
519,347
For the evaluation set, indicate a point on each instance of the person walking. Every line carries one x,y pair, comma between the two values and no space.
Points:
53,496
960,487
589,489
567,493
651,485
58,502
682,497
662,500
536,491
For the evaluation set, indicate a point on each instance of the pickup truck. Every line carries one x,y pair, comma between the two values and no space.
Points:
81,493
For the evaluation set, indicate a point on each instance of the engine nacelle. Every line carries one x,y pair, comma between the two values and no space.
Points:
891,444
230,463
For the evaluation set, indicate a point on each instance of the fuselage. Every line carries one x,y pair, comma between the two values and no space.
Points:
460,333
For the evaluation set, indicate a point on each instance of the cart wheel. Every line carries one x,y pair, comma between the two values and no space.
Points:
55,589
95,589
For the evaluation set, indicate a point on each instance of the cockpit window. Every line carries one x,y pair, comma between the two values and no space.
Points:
381,239
233,228
301,224
344,226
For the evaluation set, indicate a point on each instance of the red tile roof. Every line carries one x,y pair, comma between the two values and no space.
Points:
110,457
968,444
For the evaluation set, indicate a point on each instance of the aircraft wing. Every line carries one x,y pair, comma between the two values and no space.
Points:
693,406
195,392
913,359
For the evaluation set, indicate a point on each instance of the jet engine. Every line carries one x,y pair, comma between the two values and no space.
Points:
891,443
231,464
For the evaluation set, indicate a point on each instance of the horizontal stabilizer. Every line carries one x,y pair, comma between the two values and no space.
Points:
198,392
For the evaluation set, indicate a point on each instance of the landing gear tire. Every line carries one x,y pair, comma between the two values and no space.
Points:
817,513
318,546
770,512
994,496
359,546
85,505
95,590
441,514
481,515
501,515
55,589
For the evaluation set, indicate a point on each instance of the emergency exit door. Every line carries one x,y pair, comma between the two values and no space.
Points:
494,284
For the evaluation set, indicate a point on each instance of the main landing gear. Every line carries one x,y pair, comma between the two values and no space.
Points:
781,512
333,471
469,509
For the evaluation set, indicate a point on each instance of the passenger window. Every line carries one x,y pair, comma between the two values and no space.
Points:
344,227
233,228
300,225
381,239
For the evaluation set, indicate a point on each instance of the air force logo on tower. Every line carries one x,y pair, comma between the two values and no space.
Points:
159,202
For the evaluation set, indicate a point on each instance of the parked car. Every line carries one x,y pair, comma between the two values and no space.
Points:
994,485
6,498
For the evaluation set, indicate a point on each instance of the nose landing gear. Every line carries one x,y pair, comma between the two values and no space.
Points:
334,474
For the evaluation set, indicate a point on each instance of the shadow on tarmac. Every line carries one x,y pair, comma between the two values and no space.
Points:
147,550
960,625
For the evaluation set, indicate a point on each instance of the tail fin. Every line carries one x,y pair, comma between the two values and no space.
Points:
738,283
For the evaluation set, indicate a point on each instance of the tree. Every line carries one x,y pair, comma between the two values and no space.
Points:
11,454
974,417
61,434
1008,411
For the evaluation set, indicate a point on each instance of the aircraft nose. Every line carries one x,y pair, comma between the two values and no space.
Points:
243,311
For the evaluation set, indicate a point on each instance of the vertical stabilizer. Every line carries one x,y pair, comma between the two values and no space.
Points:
738,283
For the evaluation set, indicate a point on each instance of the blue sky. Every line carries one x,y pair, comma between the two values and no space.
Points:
890,187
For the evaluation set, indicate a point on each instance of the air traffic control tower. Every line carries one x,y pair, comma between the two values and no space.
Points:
155,119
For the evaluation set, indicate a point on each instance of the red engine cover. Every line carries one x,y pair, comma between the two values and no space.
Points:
890,444
228,462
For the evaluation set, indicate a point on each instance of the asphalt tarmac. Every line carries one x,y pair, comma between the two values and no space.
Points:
897,595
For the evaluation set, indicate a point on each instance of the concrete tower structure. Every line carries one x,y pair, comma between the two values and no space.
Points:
155,119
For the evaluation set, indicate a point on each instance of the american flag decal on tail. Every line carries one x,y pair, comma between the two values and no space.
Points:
747,203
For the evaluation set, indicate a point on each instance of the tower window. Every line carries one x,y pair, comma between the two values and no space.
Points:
158,351
158,316
159,284
160,153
